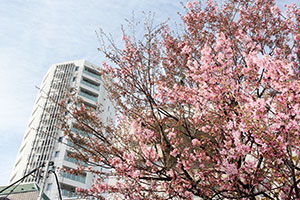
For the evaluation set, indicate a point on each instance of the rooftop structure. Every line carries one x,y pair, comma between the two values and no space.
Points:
27,191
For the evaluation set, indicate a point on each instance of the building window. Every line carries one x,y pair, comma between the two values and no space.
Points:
74,78
76,68
56,154
60,139
49,186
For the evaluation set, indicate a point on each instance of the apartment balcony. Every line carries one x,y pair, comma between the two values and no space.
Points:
90,73
80,132
67,193
77,178
88,96
74,161
96,87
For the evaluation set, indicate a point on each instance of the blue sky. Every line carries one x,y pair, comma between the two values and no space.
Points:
37,33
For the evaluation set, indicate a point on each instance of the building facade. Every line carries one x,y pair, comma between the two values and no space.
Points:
43,141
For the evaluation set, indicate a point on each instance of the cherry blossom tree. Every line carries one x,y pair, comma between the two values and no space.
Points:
211,112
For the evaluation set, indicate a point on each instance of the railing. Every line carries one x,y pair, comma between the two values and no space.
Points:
80,132
90,85
91,74
88,96
73,160
78,178
68,193
70,143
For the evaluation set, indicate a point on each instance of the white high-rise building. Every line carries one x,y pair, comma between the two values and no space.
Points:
44,142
